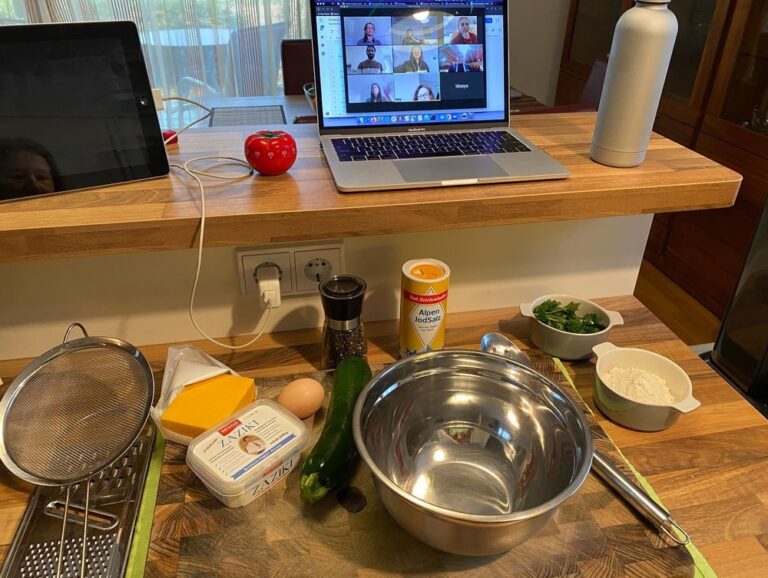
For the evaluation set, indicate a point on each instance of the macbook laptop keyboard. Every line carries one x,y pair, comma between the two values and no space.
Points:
416,146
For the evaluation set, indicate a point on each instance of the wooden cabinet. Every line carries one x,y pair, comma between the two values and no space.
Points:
715,100
703,251
701,24
738,107
588,36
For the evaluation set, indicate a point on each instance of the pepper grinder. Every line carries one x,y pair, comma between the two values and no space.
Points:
343,335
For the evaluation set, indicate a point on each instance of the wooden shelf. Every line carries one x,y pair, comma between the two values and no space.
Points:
164,213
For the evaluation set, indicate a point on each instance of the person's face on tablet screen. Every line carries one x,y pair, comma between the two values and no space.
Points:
25,173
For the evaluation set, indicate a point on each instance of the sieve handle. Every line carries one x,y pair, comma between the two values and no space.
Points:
84,553
63,534
71,327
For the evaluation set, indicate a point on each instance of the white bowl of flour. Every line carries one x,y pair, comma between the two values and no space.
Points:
640,389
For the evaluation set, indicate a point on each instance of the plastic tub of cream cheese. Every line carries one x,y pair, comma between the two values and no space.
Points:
248,453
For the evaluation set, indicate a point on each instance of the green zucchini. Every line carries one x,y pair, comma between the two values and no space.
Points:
329,460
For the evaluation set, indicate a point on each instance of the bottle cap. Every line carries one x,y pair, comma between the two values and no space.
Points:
342,297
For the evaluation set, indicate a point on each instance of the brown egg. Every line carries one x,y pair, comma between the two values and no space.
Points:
302,397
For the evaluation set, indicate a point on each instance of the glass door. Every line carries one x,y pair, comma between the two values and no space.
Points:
738,111
588,37
592,31
700,31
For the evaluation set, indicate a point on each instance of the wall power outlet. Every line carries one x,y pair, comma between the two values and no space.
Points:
302,267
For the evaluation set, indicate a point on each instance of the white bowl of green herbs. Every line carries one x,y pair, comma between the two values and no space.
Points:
568,327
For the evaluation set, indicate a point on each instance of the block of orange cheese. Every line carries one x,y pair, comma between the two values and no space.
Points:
202,405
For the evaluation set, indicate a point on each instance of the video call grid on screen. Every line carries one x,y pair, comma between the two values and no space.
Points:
331,57
402,59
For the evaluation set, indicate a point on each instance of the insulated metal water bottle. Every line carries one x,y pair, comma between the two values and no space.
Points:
637,67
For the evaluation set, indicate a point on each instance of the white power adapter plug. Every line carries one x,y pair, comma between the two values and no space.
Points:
268,280
157,98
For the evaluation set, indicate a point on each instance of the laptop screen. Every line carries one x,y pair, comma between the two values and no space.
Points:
402,63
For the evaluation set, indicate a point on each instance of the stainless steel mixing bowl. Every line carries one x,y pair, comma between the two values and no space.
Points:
471,453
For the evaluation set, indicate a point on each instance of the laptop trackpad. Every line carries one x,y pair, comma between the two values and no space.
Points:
449,169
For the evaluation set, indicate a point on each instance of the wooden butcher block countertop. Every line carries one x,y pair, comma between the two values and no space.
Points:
709,469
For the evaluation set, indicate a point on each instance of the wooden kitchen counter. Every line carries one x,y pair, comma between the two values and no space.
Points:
709,468
304,204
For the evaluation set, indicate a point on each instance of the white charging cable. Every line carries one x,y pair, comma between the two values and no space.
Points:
270,288
268,277
208,113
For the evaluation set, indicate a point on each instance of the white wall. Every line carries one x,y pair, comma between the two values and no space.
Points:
143,298
536,34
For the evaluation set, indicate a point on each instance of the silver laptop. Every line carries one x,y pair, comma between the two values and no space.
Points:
415,94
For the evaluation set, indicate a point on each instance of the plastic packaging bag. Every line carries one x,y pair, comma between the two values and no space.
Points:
184,366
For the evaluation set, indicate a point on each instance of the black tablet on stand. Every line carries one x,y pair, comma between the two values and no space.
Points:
76,109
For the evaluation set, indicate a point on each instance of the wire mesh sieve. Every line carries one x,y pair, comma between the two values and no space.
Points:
73,411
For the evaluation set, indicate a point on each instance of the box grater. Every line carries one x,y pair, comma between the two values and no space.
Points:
116,493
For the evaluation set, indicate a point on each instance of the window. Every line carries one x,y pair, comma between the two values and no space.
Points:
193,48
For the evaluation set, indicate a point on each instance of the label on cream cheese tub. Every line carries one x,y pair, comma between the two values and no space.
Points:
275,474
248,443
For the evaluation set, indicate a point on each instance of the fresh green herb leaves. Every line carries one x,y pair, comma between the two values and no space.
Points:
554,314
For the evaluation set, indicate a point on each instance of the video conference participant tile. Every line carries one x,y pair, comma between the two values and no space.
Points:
461,58
367,30
370,88
415,58
422,30
417,87
459,29
369,59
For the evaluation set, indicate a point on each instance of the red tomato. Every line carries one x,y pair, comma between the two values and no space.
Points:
271,152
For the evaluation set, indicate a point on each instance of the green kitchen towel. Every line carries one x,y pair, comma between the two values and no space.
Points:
702,567
143,530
